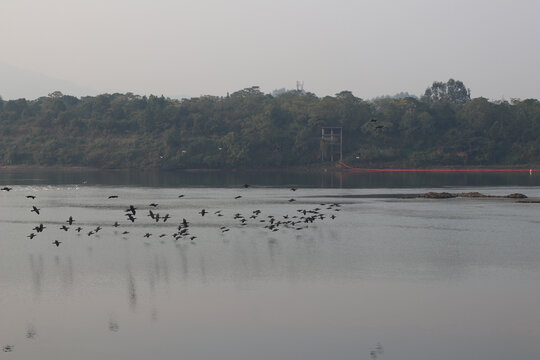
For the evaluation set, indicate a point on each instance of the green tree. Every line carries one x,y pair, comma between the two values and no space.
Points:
452,91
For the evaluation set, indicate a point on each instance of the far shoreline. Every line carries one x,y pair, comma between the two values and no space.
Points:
306,168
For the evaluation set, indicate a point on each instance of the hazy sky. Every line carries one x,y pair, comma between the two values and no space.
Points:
185,47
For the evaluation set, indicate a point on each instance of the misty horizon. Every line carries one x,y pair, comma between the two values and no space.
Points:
188,48
42,85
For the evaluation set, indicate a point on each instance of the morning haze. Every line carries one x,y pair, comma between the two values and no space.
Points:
190,48
328,222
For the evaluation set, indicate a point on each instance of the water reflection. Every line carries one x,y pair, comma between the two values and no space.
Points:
182,250
131,288
377,352
67,278
202,267
37,272
31,332
154,314
113,325
273,249
310,178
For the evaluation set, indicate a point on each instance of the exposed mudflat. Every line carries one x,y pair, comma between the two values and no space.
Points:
447,195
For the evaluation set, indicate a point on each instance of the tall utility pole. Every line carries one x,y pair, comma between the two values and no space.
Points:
331,142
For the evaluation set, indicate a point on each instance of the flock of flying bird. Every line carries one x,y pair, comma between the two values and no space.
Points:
301,219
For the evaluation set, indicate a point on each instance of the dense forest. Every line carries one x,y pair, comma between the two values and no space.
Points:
248,128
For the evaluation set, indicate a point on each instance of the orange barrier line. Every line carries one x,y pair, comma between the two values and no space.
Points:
435,170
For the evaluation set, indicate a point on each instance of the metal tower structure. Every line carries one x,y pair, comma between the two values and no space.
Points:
331,142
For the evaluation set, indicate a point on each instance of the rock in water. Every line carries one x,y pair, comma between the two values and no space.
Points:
516,196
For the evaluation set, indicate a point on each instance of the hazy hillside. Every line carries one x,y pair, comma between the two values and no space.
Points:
16,83
253,129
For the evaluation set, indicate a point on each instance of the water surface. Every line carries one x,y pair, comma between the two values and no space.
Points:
388,277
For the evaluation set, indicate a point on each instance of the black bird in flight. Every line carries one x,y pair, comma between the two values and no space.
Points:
64,227
131,217
79,229
181,196
30,196
246,186
166,217
113,196
153,205
203,212
238,197
116,224
57,243
39,228
291,200
373,120
5,188
147,235
35,209
185,223
70,220
31,236
293,189
132,209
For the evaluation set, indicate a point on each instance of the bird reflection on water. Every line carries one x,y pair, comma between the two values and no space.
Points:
113,325
132,289
31,332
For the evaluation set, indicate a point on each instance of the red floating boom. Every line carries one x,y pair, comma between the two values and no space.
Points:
435,170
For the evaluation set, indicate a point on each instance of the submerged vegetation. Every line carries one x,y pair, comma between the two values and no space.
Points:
253,129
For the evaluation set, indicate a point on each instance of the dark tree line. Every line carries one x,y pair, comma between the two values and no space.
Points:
253,129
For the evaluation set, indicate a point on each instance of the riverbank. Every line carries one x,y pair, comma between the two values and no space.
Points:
325,167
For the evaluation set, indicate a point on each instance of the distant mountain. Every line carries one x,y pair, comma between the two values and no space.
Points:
16,83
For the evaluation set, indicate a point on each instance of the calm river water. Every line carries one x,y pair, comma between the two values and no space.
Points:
372,274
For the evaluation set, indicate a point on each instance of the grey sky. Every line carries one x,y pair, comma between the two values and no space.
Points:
185,47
